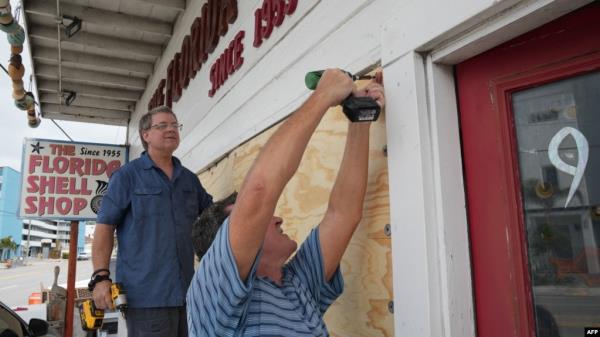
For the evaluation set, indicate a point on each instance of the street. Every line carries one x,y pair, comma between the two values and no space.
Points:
572,312
17,283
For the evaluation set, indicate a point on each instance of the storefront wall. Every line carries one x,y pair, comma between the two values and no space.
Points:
417,43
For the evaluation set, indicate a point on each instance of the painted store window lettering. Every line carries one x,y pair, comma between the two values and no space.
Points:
559,158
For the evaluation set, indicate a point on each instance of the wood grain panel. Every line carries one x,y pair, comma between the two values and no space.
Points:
217,179
362,310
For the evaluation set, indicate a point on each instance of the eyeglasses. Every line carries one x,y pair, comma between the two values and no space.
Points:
164,126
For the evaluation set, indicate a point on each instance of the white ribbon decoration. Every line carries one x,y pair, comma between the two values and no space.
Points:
582,157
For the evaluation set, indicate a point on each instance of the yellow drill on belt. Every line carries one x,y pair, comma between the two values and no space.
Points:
92,317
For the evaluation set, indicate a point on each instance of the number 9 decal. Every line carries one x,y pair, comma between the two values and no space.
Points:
582,157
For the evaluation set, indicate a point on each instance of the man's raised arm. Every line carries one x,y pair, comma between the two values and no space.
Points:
344,211
275,166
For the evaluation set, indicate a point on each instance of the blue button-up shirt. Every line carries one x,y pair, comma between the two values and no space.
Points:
154,217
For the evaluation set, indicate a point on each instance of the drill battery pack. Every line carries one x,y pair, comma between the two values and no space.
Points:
91,317
361,109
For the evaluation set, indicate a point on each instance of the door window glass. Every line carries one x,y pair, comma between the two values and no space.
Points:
558,137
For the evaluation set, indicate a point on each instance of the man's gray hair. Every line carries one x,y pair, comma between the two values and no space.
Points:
208,223
146,121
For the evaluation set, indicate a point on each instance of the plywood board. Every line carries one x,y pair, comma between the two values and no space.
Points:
217,179
362,310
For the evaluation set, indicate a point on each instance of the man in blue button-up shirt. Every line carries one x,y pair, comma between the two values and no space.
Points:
152,202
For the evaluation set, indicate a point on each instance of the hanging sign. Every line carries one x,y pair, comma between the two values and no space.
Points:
66,180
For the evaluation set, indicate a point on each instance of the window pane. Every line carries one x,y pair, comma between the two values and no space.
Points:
558,139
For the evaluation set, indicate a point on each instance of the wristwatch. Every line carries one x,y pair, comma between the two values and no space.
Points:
97,278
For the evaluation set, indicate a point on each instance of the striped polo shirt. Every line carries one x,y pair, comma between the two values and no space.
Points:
220,304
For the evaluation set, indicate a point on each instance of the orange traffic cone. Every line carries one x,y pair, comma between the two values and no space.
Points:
35,298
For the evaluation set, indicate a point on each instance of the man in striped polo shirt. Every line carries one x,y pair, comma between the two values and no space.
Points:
243,286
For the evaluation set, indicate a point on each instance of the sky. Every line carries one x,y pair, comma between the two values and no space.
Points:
13,122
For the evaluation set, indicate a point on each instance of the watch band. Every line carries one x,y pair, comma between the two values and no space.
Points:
96,279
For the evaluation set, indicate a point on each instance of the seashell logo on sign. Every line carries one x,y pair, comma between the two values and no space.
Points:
96,202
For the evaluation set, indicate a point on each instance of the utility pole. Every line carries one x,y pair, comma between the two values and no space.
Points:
28,236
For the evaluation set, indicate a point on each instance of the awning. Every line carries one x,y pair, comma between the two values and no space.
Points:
92,59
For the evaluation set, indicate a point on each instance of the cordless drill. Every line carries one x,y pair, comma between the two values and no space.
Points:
356,109
92,317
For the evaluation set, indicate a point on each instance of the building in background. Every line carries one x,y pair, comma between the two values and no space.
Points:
10,225
44,236
48,235
64,232
39,238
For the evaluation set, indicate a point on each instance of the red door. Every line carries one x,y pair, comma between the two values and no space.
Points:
530,128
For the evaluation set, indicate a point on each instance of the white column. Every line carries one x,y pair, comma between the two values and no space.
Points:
431,265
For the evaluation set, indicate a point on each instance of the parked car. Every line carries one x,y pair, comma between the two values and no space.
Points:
84,256
11,325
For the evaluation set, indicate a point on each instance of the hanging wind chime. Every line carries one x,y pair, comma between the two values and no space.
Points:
24,100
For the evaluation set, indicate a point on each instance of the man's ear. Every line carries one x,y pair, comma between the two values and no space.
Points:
145,135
